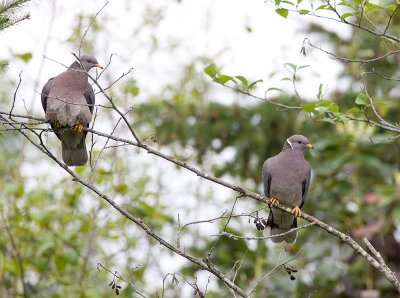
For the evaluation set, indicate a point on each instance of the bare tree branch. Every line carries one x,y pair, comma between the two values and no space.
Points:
204,264
348,60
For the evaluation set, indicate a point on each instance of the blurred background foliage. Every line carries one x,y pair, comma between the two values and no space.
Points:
54,232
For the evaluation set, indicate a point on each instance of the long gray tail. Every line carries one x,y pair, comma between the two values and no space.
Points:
281,222
73,147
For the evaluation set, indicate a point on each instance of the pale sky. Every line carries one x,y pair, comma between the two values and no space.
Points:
215,29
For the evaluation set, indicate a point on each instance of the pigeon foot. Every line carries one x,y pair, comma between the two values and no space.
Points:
78,127
296,211
273,202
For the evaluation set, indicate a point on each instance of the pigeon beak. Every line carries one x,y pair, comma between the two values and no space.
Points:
309,146
99,66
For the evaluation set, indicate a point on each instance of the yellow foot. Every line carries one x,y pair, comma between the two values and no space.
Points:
273,202
78,127
296,211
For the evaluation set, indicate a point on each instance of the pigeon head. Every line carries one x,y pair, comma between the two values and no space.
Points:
297,142
89,61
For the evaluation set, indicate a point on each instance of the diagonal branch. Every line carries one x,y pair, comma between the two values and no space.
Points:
205,264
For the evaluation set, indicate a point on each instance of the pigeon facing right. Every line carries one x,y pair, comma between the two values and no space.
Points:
68,101
286,178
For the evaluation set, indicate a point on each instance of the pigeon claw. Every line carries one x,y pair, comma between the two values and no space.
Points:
273,202
78,127
296,211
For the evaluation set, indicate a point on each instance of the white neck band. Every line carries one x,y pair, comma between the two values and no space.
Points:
290,144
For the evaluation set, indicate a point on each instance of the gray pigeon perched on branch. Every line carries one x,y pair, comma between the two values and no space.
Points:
286,178
68,101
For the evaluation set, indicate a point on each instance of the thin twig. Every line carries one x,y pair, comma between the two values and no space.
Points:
348,60
237,237
115,274
15,95
90,25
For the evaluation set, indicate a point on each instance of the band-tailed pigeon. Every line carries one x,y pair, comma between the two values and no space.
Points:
286,178
68,100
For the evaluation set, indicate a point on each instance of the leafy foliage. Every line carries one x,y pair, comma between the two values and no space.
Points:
10,15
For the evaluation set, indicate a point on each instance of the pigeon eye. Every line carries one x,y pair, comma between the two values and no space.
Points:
299,142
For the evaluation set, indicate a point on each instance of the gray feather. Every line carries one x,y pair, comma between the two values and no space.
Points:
286,177
68,100
45,93
73,148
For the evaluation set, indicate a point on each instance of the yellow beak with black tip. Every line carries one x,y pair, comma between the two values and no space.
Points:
99,66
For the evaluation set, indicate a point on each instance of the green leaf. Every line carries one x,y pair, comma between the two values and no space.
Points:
286,79
211,70
223,79
287,2
324,7
299,1
362,99
329,120
59,262
370,6
309,107
283,12
292,66
391,7
273,89
121,188
253,84
304,11
303,66
352,111
333,107
131,88
25,57
71,256
340,117
346,15
243,80
384,103
328,105
277,2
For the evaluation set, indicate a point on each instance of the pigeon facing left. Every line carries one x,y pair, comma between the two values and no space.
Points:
286,178
68,101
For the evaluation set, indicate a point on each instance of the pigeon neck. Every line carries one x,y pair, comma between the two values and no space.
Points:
75,65
288,147
292,151
78,76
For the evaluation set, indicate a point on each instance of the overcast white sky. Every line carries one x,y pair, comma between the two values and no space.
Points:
205,28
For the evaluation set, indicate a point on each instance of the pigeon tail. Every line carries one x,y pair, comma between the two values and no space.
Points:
73,148
275,229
